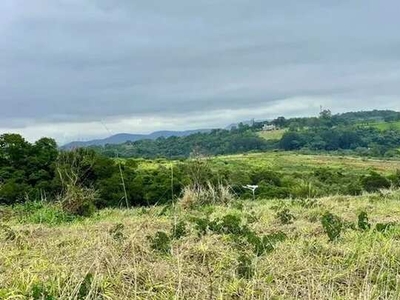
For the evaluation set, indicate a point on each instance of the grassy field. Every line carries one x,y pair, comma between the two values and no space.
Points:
121,254
292,162
272,135
386,125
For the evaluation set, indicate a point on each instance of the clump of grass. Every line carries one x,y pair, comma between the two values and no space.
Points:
196,195
304,190
79,201
42,213
8,233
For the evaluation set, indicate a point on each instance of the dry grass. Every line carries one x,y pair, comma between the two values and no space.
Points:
84,260
196,196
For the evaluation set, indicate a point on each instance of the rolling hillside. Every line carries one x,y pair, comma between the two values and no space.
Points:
128,137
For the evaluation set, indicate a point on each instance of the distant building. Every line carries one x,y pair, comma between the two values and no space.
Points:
267,127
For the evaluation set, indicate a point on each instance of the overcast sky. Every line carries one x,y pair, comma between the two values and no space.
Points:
69,66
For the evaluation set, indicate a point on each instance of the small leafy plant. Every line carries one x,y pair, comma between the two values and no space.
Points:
178,230
201,225
384,227
245,268
363,223
40,292
285,216
85,288
265,244
333,226
161,242
117,232
229,224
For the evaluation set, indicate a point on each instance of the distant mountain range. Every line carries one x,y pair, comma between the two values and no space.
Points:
122,138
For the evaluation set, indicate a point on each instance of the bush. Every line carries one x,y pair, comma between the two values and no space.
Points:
79,201
41,292
363,223
333,226
384,227
395,179
117,233
178,230
42,213
201,225
265,244
285,216
354,188
229,224
161,242
374,182
245,268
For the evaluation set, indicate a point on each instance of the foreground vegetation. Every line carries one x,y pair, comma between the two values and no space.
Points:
321,226
339,247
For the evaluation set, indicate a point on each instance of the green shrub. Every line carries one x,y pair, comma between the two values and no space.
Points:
86,287
245,268
354,188
40,292
161,242
79,201
374,182
384,227
265,244
332,225
229,224
201,225
395,179
42,213
285,217
178,230
117,233
363,223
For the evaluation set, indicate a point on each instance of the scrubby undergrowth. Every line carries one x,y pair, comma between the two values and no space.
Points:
275,249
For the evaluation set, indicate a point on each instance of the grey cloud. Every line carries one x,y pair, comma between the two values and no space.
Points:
82,61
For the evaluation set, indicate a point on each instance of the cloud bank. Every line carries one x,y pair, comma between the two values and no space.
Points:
66,66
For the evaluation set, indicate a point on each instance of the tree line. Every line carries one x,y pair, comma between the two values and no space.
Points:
352,132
